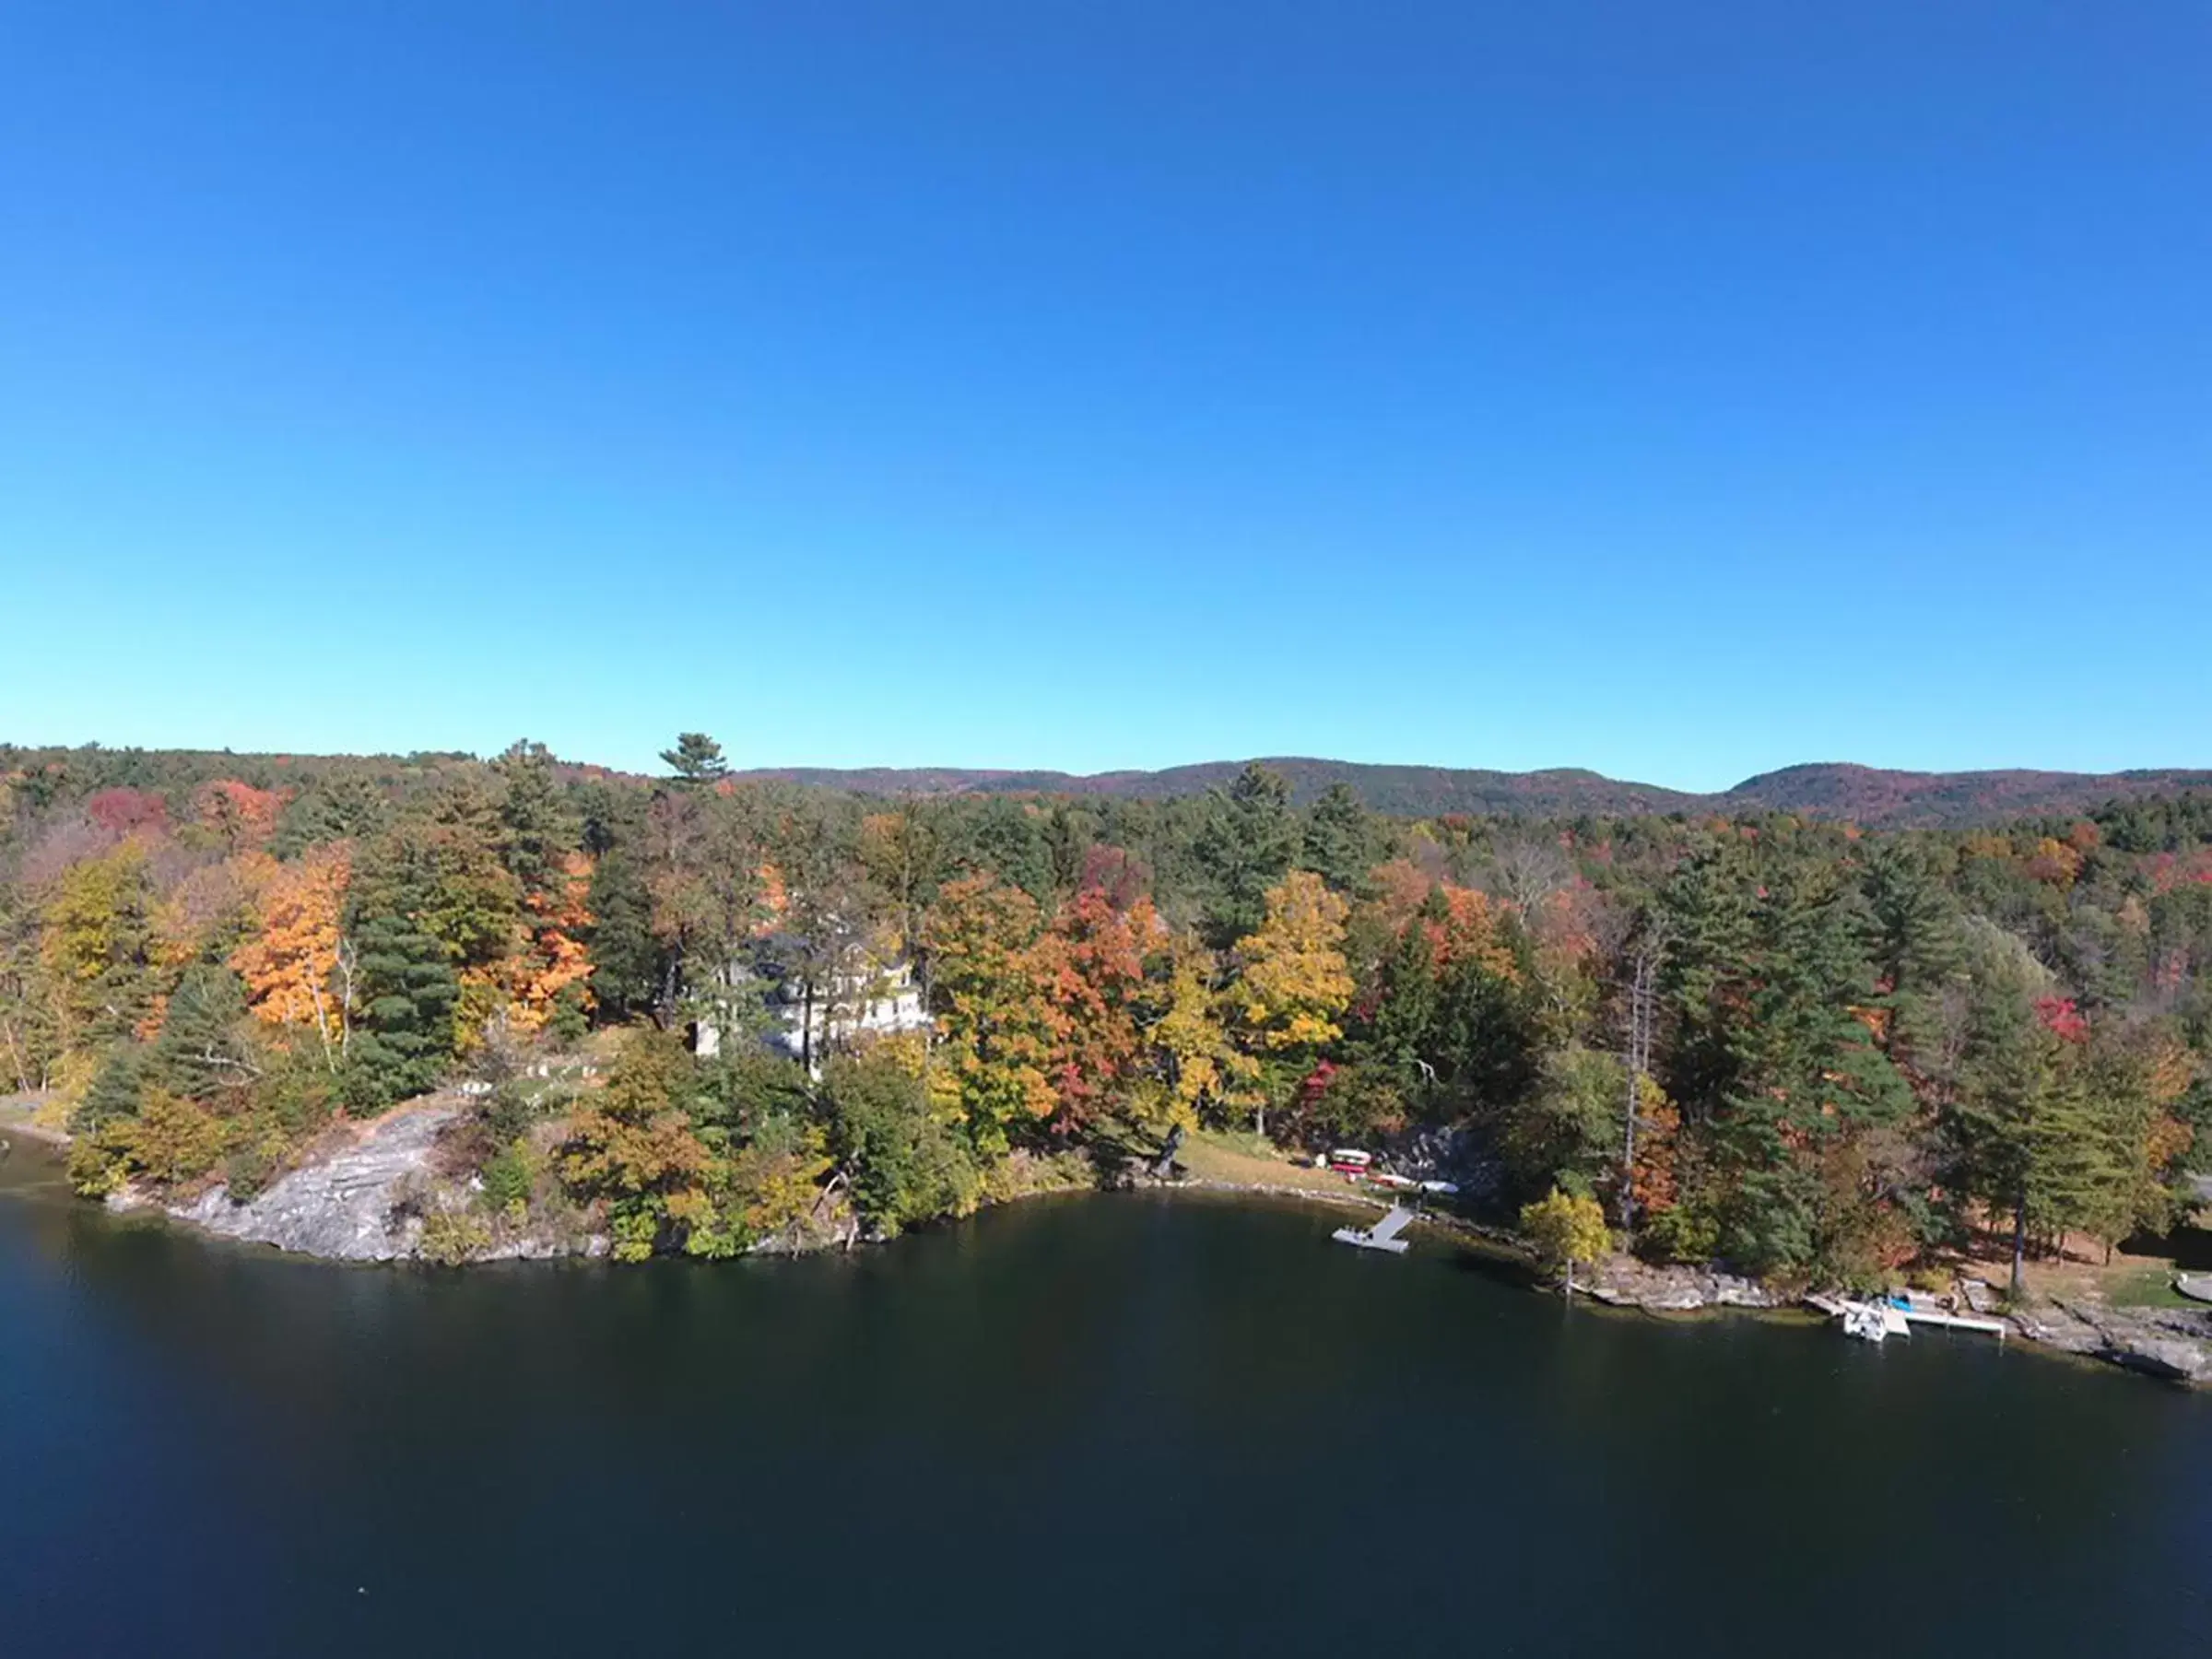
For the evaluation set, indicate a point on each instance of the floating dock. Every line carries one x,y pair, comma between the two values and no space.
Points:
1383,1235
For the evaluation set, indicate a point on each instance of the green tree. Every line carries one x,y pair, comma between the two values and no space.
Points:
1917,947
536,828
904,1161
1341,840
635,1151
204,1048
1245,844
696,759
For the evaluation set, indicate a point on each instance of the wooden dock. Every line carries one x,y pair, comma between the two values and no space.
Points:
1917,1314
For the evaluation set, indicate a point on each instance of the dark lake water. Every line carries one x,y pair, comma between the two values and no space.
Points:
1097,1425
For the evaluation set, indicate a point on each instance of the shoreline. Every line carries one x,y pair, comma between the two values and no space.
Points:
55,1138
2168,1349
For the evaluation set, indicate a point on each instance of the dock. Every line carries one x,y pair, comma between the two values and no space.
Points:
1383,1235
1956,1322
1884,1316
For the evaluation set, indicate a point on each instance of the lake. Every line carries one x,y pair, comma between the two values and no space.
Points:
1095,1425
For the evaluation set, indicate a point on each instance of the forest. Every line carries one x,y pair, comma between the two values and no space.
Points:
1817,1054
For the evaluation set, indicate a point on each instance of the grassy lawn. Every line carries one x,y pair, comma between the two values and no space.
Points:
1244,1160
2149,1285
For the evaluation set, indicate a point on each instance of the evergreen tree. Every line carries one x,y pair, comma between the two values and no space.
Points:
203,1048
536,830
1341,843
346,807
626,957
408,990
696,759
1917,945
408,993
1808,1076
1011,844
1246,844
118,1086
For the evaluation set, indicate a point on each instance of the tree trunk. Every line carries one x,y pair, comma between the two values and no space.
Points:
2020,1245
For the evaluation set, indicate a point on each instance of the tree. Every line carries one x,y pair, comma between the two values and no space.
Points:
406,983
1245,844
626,956
1567,1227
203,1052
1566,1131
1916,947
548,981
1093,962
292,962
902,1159
696,759
1340,838
1293,984
998,1026
1194,1066
537,833
1808,1076
634,1150
97,944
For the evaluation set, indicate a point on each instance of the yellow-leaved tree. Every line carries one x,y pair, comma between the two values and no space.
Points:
1567,1227
997,1020
1192,1066
1293,983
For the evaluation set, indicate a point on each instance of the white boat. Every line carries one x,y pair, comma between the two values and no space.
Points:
1873,1322
1383,1235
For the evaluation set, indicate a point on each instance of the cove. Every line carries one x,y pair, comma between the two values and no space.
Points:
1168,1424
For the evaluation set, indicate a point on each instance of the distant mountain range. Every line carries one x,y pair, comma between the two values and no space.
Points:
1862,794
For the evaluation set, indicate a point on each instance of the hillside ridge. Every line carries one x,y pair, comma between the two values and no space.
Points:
1875,796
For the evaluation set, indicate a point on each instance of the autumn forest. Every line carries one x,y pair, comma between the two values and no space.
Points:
1817,1054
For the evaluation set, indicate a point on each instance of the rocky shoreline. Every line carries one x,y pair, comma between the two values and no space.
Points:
368,1200
2171,1344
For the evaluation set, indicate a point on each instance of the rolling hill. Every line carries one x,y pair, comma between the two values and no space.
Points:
1862,794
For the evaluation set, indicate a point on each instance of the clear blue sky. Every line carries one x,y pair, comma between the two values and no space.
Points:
1681,390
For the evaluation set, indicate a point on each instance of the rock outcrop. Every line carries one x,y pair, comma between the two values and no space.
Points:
2173,1344
1625,1282
345,1207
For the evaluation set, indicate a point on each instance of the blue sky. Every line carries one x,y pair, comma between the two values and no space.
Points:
1680,390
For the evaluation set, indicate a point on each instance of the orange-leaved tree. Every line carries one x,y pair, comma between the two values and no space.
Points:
1093,962
293,962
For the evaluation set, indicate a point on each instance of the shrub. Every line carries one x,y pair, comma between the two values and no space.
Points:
508,1179
451,1237
247,1172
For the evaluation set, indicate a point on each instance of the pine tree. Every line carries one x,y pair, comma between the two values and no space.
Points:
1340,838
696,759
203,1049
536,830
1917,947
1245,844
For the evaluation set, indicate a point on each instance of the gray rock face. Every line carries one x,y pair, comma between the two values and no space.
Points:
342,1208
1625,1282
2169,1343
